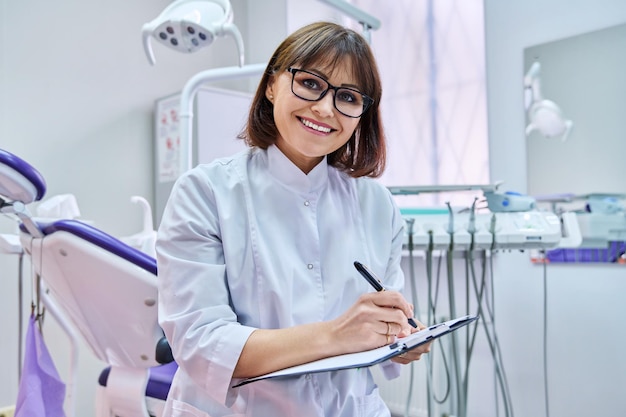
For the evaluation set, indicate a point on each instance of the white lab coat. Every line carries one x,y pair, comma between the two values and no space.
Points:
250,242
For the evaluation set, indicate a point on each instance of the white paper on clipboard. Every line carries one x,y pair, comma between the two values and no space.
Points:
369,357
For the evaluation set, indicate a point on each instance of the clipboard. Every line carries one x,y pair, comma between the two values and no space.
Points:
369,357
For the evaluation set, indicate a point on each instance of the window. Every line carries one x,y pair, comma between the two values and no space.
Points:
431,56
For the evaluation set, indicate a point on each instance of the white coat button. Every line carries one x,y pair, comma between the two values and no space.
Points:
310,266
306,203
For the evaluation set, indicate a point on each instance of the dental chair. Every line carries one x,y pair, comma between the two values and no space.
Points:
100,288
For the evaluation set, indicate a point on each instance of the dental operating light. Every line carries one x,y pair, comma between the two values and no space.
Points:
544,116
189,25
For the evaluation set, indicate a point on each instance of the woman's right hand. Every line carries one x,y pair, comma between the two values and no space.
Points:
374,320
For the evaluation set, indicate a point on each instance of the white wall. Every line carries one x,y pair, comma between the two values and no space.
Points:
587,370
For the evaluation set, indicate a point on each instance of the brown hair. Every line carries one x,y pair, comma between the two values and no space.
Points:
327,44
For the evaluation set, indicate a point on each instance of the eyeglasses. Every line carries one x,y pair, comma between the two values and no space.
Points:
311,87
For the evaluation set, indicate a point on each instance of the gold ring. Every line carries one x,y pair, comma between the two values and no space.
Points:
388,340
388,329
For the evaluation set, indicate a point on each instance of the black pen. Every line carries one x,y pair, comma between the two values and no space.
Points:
374,282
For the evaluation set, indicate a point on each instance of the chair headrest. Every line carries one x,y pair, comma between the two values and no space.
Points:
101,239
19,181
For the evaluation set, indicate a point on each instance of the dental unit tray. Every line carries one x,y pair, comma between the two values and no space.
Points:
512,222
436,229
422,189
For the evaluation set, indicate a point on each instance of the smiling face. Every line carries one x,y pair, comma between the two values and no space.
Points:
309,130
321,54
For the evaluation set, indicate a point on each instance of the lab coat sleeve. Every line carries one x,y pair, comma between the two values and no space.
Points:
195,310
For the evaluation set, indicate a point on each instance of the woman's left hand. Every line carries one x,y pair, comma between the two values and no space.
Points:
413,354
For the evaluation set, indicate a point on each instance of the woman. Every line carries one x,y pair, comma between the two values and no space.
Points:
256,251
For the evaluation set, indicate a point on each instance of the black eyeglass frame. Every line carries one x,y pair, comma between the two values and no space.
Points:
367,100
